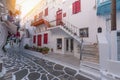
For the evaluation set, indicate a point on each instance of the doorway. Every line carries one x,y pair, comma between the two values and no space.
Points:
69,45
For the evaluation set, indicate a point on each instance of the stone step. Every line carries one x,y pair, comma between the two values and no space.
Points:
90,53
90,58
95,46
90,69
90,64
94,61
89,49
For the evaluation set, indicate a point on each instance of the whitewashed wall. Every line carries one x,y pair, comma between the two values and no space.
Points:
86,18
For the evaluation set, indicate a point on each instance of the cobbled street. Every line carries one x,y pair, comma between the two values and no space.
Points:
27,67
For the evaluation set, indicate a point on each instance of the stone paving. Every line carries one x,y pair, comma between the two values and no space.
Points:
28,67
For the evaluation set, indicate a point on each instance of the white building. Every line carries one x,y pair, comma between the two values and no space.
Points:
61,25
77,21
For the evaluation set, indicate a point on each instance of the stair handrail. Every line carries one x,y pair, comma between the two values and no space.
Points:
74,29
71,27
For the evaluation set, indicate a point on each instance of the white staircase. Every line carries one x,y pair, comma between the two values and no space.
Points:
90,61
71,34
90,69
90,53
72,30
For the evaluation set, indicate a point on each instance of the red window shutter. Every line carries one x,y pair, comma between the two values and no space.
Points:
78,6
39,40
46,11
34,39
45,38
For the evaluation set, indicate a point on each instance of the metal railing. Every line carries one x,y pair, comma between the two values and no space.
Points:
81,48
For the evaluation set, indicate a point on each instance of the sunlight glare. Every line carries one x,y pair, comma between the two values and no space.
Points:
27,5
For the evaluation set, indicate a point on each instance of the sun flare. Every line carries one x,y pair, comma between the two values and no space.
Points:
26,6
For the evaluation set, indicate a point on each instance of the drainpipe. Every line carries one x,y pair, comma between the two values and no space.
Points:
113,15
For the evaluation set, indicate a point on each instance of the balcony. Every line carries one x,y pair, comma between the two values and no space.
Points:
104,8
40,21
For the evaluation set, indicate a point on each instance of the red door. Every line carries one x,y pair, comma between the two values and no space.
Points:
58,17
45,38
40,40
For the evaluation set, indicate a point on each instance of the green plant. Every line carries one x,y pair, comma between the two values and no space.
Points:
26,46
39,49
45,50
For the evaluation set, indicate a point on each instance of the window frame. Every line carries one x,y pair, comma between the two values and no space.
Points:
59,43
84,32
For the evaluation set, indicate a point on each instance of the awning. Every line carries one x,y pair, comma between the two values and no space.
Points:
105,7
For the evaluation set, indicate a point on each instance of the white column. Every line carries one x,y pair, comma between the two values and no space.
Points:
63,46
113,45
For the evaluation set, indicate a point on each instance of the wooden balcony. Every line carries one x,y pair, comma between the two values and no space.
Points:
40,22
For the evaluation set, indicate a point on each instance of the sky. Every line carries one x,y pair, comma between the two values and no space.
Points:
26,5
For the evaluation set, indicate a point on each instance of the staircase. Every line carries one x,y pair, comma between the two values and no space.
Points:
89,57
90,69
70,29
90,53
90,61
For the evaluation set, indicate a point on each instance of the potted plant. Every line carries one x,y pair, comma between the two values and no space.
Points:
39,49
26,46
45,50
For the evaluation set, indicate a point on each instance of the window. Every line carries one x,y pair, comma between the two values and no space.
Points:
46,11
59,43
40,14
45,38
84,32
34,39
76,7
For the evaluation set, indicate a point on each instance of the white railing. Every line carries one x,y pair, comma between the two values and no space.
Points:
71,28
